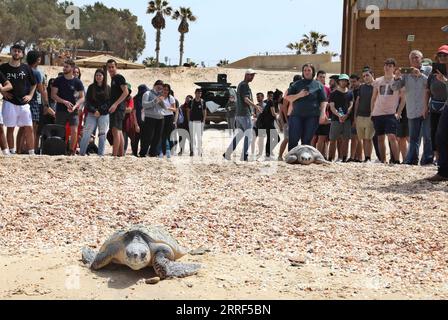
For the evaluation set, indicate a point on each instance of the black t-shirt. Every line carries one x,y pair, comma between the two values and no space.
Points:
67,90
2,79
115,90
21,78
268,118
97,99
341,102
355,96
197,110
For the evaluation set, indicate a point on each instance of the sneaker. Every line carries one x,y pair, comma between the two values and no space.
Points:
437,178
168,154
226,157
280,158
160,156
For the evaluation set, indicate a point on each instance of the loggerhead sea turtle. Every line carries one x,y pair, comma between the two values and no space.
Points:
305,155
139,247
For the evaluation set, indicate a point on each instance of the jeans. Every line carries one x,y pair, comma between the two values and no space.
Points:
168,128
417,128
103,127
442,143
435,117
244,129
273,138
151,135
301,129
196,132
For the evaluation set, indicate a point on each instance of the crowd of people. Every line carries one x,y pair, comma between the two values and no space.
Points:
345,120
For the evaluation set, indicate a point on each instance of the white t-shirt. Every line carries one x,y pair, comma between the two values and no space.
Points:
169,102
387,100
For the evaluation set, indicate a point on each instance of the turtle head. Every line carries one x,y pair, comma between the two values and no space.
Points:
306,158
138,254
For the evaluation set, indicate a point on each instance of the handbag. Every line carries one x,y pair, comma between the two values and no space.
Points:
437,106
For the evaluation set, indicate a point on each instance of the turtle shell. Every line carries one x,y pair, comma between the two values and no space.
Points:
151,234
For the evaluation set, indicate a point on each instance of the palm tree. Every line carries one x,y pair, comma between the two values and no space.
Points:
186,16
222,63
297,46
312,41
161,9
51,46
149,62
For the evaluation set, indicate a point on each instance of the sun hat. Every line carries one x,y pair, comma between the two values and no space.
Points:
443,49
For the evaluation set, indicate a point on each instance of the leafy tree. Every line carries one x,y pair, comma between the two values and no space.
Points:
185,15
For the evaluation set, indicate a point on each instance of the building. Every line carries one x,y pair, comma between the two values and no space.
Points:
404,25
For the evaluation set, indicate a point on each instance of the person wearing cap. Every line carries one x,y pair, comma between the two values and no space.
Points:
384,111
415,84
341,105
437,92
151,133
97,105
5,86
309,105
245,104
16,110
441,136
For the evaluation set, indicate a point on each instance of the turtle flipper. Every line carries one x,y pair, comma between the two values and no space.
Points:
291,159
88,256
102,259
165,268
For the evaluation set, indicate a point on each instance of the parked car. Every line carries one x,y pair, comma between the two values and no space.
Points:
216,96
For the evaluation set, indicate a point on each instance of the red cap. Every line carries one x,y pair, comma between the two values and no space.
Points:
443,49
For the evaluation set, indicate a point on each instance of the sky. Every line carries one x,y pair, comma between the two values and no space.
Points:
235,29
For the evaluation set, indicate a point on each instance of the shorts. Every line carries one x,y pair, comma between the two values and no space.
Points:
16,115
354,131
384,125
340,130
403,128
364,126
63,117
36,110
323,130
116,119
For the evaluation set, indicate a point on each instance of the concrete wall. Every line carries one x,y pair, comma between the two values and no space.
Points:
288,62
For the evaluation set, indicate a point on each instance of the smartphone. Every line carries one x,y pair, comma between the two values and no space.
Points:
406,70
441,67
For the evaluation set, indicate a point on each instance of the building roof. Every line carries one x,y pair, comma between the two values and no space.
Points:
100,60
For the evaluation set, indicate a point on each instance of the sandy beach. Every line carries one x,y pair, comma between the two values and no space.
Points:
269,230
